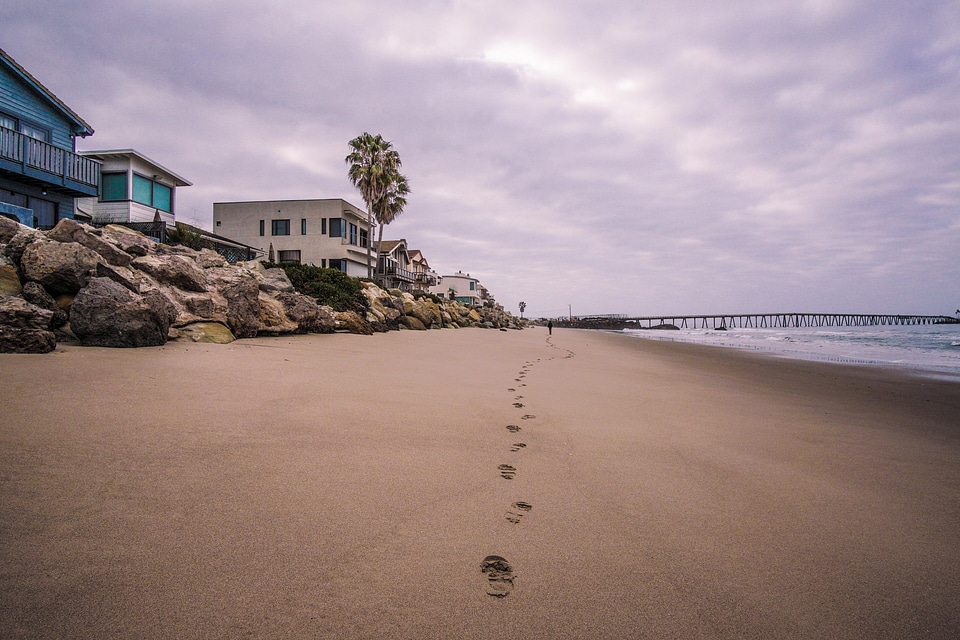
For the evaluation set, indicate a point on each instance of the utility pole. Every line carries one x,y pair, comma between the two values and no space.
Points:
570,312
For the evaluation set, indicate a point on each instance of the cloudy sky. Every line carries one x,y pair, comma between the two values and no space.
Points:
663,157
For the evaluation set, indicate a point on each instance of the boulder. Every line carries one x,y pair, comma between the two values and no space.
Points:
242,296
350,322
9,280
68,230
37,295
206,332
176,270
8,229
24,237
24,327
422,312
121,275
304,310
61,267
411,322
273,319
127,240
208,258
106,314
274,281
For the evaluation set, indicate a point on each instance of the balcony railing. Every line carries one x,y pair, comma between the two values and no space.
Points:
391,269
44,161
425,279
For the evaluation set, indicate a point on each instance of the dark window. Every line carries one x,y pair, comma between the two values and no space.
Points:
336,227
218,223
261,227
114,186
364,238
353,233
151,193
142,190
303,226
280,227
338,264
289,256
323,261
323,226
473,286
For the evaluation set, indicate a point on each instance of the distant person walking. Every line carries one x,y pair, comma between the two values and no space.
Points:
550,327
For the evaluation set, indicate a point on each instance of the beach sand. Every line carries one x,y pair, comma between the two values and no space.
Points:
339,486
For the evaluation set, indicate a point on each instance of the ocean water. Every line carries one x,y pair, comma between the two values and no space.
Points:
925,349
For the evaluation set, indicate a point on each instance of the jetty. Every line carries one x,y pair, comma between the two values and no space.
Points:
751,321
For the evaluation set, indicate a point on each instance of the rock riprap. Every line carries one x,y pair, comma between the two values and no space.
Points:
114,287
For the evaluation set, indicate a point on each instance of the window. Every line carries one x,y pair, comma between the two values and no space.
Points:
473,286
162,197
261,227
114,186
7,122
34,132
323,263
218,223
289,256
142,190
353,233
338,264
323,226
364,238
152,193
303,226
336,227
280,227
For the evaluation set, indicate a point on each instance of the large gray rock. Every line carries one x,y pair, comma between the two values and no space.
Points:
37,295
275,281
68,230
350,322
306,313
273,319
9,279
24,327
8,229
61,267
176,270
127,240
242,295
106,314
24,237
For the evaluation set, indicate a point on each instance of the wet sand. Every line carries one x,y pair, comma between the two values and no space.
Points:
389,487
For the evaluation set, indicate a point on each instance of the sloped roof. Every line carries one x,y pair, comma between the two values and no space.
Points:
80,127
387,246
133,153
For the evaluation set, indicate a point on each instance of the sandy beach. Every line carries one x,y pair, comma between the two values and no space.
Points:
341,486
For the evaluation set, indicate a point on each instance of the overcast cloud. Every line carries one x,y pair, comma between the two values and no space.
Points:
671,157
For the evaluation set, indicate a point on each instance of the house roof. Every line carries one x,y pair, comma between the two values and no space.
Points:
387,246
127,153
80,127
417,256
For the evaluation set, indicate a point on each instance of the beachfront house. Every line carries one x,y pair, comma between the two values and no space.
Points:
423,276
135,189
40,170
330,233
393,265
460,287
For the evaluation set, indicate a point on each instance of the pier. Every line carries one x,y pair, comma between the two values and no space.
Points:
754,321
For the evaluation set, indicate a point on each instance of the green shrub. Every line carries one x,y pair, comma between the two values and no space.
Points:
330,287
431,296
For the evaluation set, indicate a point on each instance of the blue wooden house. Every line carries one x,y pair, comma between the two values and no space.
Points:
40,170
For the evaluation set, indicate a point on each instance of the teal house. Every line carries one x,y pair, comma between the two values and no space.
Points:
40,170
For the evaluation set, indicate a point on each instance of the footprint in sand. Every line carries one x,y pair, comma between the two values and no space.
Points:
507,471
499,575
519,509
528,416
518,405
519,398
516,446
513,428
511,389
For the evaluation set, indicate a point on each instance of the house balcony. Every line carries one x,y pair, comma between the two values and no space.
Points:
47,166
395,272
425,280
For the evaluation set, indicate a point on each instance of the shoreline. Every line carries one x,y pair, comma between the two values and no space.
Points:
355,486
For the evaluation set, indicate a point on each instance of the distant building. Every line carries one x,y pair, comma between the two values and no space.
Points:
460,287
40,171
393,265
329,233
423,276
135,189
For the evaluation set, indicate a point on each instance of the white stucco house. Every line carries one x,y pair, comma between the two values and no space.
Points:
329,233
459,286
133,188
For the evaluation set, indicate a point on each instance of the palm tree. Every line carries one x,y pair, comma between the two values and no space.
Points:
373,169
523,307
391,205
